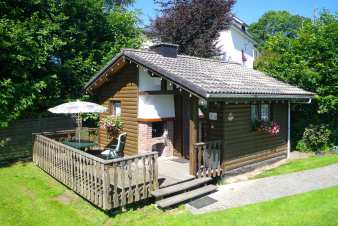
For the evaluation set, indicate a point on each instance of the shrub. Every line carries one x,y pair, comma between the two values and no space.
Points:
317,137
301,146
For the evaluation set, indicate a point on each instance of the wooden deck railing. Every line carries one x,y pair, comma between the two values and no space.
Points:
105,183
207,159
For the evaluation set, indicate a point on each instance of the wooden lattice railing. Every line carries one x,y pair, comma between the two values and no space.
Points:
105,183
207,158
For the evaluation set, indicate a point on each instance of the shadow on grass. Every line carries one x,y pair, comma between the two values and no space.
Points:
130,207
10,162
16,151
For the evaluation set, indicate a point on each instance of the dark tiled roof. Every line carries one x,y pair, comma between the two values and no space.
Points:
211,78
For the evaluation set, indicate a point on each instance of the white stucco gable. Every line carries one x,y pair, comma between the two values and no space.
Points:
234,43
154,106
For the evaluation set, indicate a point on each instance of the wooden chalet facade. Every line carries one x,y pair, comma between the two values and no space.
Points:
188,107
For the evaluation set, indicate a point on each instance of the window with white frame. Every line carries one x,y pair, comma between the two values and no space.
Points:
116,108
260,112
254,112
265,112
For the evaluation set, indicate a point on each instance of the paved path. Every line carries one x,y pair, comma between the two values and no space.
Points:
259,190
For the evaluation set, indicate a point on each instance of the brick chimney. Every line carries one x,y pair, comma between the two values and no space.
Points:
165,49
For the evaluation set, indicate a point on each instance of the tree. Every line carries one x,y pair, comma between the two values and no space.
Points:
310,62
49,49
274,22
192,24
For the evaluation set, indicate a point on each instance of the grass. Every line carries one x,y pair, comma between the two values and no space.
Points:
28,196
301,164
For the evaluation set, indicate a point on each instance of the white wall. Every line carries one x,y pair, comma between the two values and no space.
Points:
148,83
232,42
156,106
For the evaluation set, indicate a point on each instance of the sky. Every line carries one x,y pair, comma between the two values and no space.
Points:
251,10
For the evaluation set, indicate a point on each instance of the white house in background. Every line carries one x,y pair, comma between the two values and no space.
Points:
236,44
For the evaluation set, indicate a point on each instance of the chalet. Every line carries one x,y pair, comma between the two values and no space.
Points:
195,108
188,121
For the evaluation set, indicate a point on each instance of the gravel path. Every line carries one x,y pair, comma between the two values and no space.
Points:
264,189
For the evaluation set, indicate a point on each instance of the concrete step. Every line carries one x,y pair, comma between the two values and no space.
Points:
180,187
177,199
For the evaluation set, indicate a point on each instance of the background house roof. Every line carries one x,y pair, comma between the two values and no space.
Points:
211,78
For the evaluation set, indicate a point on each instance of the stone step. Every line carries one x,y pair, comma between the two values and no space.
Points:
177,199
180,187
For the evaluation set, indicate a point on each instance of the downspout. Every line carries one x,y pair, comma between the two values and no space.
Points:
289,141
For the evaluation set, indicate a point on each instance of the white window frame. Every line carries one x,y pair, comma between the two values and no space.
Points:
116,109
265,112
260,112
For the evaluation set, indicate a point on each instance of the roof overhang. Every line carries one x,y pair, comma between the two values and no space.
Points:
183,84
294,98
104,70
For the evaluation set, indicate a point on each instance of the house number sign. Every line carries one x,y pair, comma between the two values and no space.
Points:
212,115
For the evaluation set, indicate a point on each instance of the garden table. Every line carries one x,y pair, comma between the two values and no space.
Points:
82,145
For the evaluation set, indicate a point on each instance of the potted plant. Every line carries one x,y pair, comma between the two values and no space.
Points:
271,127
113,125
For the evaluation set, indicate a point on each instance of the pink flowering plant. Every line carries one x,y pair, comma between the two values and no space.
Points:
113,125
271,127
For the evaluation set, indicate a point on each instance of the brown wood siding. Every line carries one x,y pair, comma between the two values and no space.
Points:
248,146
216,127
178,142
123,87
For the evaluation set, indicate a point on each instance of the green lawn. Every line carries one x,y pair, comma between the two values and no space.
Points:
29,197
301,164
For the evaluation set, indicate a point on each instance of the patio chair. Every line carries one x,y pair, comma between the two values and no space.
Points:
116,151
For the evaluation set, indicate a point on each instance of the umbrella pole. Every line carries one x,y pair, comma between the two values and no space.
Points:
79,126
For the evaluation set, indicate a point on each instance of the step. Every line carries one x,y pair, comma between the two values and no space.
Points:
167,181
174,200
180,187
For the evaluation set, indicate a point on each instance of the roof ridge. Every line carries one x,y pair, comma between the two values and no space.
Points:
183,56
210,59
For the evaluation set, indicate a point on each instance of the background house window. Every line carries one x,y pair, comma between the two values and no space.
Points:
116,108
157,129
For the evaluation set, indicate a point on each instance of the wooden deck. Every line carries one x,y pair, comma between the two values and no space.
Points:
172,171
105,183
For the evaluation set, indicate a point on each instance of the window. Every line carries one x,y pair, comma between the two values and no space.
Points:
116,108
260,112
157,129
254,112
265,112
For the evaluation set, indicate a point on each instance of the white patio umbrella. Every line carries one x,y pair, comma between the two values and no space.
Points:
77,108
